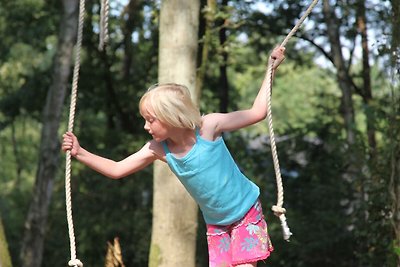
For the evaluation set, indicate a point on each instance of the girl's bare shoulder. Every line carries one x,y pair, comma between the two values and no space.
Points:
209,127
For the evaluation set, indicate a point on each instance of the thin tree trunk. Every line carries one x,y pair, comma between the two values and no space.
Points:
5,259
112,101
49,153
207,41
366,75
341,70
130,11
223,68
394,186
352,169
173,241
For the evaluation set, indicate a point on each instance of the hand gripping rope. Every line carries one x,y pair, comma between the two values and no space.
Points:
74,91
278,209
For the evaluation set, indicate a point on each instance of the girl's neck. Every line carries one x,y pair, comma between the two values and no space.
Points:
181,141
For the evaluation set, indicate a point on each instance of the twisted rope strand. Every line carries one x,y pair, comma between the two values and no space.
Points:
300,22
74,261
74,92
278,208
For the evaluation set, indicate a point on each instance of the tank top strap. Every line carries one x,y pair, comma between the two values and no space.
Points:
165,147
197,132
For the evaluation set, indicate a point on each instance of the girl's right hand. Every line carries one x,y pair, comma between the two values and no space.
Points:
70,143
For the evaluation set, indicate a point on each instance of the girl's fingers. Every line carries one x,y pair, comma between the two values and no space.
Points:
68,143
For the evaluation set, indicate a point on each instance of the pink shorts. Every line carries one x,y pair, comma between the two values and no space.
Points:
244,241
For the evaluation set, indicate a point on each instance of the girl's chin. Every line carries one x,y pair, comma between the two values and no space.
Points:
157,139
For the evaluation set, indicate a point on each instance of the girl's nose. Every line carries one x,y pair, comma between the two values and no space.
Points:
146,126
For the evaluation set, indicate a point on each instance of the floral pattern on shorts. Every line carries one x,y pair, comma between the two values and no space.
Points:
244,241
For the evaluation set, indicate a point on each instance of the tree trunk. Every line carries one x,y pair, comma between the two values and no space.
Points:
395,51
351,171
49,153
131,13
394,186
173,241
341,70
394,189
5,259
209,15
223,67
366,76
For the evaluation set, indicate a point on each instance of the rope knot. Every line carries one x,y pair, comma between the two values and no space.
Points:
278,211
75,263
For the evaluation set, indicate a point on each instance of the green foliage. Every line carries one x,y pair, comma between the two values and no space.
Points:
396,250
18,159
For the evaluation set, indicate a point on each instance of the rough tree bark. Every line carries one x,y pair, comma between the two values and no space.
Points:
49,153
173,241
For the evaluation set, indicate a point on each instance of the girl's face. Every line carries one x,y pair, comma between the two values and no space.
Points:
157,129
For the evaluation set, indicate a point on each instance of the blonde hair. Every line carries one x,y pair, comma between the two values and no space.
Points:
171,104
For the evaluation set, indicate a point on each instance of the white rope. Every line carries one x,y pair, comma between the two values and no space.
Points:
278,208
74,91
104,10
300,22
74,261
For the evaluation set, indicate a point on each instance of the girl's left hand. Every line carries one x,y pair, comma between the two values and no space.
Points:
278,55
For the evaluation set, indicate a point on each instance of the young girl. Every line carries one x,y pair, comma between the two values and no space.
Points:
195,151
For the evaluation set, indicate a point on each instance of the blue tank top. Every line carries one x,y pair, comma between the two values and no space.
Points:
212,178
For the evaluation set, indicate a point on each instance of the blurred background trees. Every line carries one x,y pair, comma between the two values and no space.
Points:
336,113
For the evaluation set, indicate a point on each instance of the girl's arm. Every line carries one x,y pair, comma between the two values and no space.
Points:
216,123
110,168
